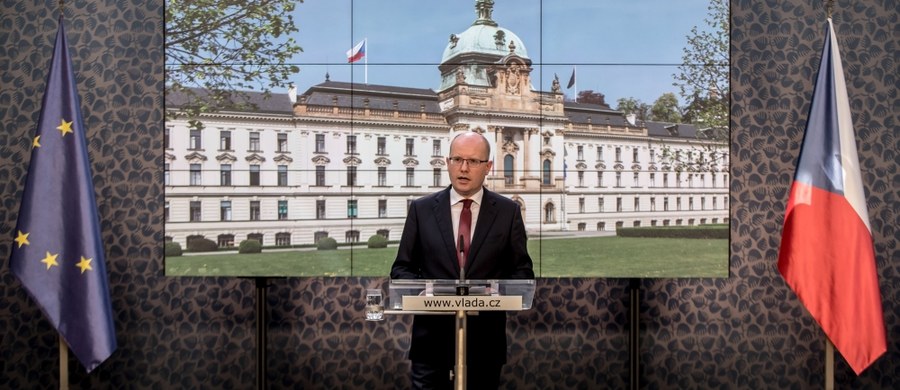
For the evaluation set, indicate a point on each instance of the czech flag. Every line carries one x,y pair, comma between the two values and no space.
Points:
826,254
357,52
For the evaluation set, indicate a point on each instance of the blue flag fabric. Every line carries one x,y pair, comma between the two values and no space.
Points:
571,79
57,253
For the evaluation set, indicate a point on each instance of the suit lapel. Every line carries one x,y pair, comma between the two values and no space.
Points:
487,214
441,210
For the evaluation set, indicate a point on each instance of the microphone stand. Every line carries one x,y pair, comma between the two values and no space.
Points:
461,376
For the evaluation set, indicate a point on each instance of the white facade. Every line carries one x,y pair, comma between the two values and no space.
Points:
304,185
344,160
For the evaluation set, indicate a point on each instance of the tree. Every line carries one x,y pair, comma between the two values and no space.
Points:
634,106
665,109
224,47
590,97
703,76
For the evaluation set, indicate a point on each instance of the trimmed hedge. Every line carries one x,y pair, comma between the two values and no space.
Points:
377,241
326,243
250,246
202,245
173,249
701,232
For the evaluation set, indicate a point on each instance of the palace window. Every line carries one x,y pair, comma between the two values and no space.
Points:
283,239
320,144
194,211
195,139
282,175
195,175
225,210
254,175
254,141
320,176
508,166
225,140
320,209
225,175
282,210
352,208
282,146
226,240
410,147
382,176
351,144
436,148
254,210
351,176
546,172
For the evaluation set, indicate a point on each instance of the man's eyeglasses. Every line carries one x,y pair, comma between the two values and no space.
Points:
473,163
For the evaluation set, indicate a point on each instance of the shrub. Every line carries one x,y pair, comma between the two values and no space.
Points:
377,241
173,249
326,243
202,245
699,232
250,246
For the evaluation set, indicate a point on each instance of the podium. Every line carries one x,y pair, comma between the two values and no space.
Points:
459,298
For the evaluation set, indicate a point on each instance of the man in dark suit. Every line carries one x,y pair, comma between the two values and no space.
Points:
429,249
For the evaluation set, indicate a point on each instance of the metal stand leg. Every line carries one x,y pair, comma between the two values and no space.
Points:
634,336
460,377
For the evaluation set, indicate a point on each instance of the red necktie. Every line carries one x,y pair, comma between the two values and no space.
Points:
465,228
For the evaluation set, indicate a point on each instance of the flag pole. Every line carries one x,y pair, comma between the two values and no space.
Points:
829,364
575,77
829,346
366,57
63,348
63,364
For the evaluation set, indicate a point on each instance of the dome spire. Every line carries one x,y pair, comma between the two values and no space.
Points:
484,8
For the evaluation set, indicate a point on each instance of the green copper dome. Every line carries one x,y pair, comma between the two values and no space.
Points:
484,39
471,52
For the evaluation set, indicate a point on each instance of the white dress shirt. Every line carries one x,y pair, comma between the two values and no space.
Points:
456,207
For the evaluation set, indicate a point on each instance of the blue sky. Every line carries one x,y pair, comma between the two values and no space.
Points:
622,48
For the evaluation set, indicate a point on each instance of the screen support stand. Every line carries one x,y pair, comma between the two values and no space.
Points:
262,334
634,317
461,376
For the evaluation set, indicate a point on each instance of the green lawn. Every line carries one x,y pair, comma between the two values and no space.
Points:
563,257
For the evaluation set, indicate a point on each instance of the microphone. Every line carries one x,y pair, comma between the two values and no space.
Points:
462,258
462,289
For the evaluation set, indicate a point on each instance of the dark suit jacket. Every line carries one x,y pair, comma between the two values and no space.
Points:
427,251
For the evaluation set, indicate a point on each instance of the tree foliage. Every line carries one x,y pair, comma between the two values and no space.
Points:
665,109
591,97
703,76
227,46
634,106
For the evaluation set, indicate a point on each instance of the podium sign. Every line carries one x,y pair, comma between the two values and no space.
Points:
455,303
435,295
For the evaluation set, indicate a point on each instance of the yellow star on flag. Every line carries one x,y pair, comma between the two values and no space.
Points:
85,264
37,142
50,260
22,239
65,127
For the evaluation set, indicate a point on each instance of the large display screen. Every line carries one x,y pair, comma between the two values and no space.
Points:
297,134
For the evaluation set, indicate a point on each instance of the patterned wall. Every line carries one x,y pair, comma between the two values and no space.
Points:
746,331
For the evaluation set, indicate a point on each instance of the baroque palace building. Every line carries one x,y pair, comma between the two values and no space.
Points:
344,160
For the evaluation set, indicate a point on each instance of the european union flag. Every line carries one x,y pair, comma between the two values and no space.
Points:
57,253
